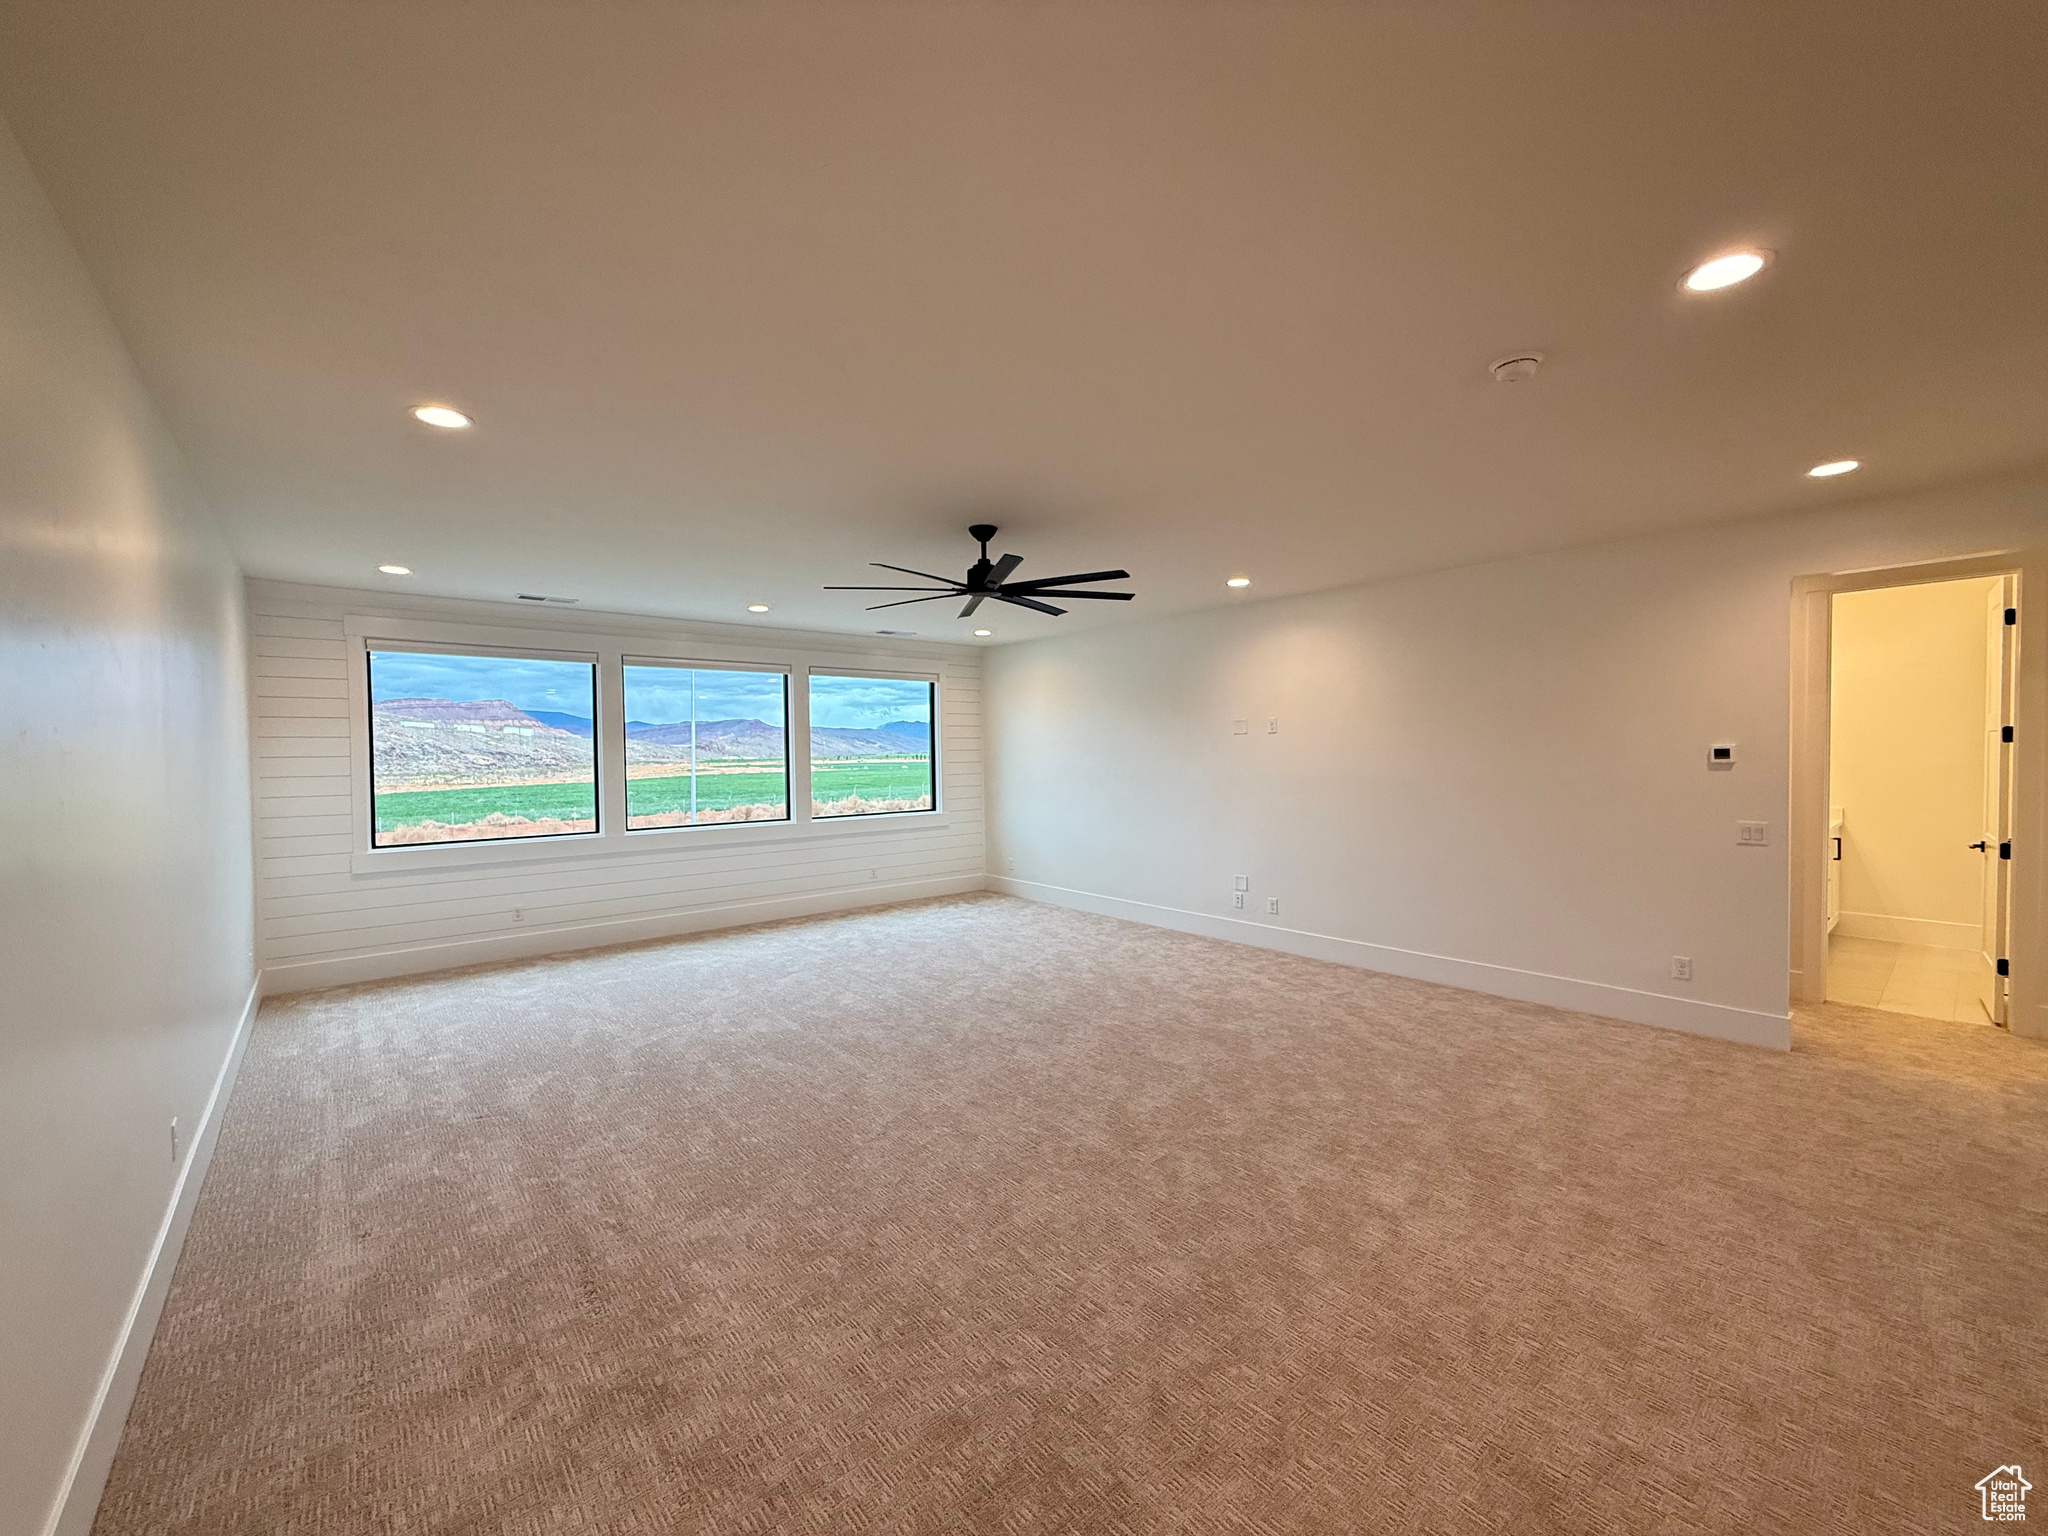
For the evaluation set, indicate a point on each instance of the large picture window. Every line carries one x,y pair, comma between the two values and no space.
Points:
469,748
871,746
705,745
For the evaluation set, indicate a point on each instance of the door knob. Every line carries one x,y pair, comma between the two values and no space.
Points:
1980,845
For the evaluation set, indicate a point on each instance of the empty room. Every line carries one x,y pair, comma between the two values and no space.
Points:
1023,766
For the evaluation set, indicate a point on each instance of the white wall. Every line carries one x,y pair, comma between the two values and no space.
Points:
1906,760
1493,776
124,858
323,920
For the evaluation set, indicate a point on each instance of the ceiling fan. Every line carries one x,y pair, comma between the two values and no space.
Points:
989,579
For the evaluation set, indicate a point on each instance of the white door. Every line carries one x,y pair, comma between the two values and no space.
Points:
1996,846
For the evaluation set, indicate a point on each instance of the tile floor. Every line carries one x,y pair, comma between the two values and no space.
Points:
1952,984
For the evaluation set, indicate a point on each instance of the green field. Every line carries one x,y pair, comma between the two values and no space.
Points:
867,778
871,778
458,807
715,792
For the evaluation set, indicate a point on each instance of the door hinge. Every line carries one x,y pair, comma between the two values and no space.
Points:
2004,967
2005,850
2012,615
2005,733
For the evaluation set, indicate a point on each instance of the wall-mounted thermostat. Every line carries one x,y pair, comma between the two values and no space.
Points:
1721,755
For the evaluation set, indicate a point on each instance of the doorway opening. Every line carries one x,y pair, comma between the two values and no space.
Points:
1919,797
1910,764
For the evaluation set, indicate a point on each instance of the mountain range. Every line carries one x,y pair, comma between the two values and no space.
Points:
446,740
757,738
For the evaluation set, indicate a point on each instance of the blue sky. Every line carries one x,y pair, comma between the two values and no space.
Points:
868,701
560,685
661,695
657,695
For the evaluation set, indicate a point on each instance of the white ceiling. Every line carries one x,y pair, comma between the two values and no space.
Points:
745,295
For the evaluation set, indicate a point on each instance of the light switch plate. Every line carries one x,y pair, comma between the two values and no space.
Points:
1753,834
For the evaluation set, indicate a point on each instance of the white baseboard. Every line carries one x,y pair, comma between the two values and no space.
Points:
1911,930
422,959
1746,1025
85,1480
2029,1023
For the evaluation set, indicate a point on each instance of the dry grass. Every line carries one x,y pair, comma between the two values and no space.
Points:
704,817
854,805
497,824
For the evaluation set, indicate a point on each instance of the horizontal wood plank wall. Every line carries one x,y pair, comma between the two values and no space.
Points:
319,924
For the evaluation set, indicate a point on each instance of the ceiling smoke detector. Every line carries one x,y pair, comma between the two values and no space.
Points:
1517,369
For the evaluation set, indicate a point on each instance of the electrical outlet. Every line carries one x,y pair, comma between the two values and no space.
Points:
1237,900
1272,725
1010,865
1273,905
874,874
174,1138
1753,834
519,914
1681,967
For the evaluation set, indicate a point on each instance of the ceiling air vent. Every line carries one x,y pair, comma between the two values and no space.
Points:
535,597
900,634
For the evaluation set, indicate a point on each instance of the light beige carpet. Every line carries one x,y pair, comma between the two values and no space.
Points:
983,1216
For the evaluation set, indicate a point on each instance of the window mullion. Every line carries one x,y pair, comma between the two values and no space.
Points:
799,737
611,745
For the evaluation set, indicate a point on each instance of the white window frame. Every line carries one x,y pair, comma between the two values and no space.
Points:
887,674
362,785
700,664
610,651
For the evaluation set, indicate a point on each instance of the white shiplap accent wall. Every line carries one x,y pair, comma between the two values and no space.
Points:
323,920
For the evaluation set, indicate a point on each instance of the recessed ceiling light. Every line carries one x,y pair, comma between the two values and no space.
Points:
395,570
1725,271
1832,467
984,633
757,607
1238,581
441,416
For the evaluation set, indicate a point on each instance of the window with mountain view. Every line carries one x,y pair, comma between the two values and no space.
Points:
468,748
705,745
871,746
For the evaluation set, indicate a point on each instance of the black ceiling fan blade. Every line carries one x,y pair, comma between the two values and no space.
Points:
892,589
1107,597
1038,583
1026,602
883,565
973,603
1003,568
907,601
